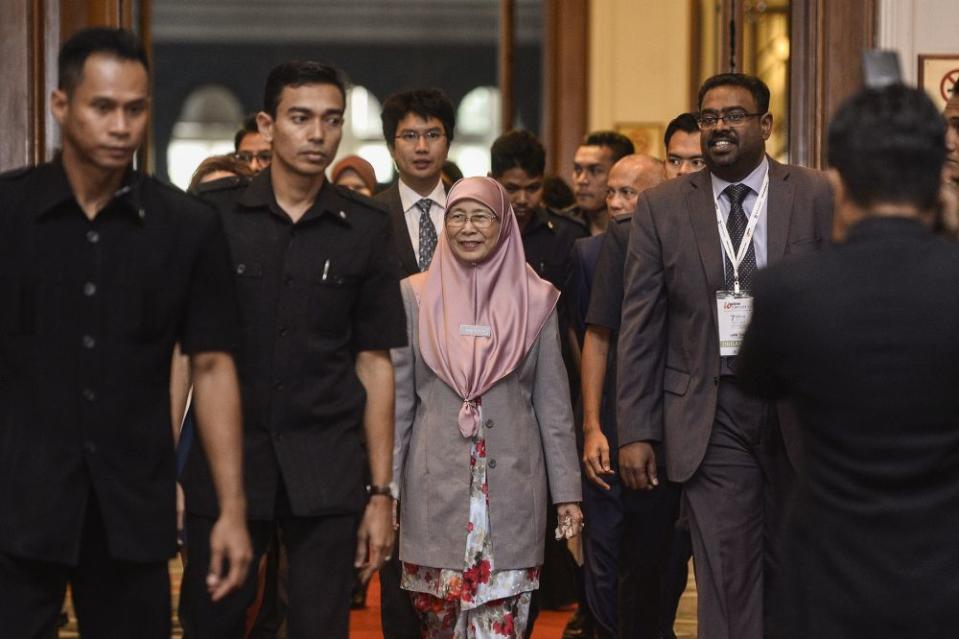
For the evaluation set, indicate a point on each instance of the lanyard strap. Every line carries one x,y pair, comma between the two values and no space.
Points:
736,257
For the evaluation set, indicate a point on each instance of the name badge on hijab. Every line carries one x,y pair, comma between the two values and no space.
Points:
475,330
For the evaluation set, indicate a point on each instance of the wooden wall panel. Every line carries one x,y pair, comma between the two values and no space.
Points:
565,81
31,32
21,128
828,38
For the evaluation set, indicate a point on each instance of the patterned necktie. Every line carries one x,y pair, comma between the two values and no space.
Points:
736,225
427,234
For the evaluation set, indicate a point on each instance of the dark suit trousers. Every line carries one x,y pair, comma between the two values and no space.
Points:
627,552
734,501
320,551
112,598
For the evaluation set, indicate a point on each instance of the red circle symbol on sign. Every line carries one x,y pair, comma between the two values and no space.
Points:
948,82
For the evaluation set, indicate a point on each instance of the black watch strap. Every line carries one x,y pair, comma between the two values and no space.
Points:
373,489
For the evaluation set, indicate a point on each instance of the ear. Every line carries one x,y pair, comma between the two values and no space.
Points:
845,211
264,122
59,105
766,122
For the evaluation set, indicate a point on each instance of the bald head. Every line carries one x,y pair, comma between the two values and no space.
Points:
628,178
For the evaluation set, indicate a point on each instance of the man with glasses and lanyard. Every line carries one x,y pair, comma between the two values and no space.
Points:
694,247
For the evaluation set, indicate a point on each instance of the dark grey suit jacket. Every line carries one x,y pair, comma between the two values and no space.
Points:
668,370
401,233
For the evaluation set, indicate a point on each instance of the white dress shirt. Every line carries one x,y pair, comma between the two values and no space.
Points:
411,212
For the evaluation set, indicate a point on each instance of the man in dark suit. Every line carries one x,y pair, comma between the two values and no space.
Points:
862,337
674,387
418,129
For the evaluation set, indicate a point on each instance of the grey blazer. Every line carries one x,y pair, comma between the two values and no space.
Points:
529,437
668,368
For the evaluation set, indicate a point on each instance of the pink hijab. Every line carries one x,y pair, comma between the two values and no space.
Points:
460,304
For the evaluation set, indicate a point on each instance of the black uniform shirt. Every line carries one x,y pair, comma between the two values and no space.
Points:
312,295
606,309
90,314
606,295
548,242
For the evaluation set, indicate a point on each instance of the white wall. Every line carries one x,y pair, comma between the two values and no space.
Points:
915,27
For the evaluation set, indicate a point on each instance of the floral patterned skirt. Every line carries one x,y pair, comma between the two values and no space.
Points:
479,601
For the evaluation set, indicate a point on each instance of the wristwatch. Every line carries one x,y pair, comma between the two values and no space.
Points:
391,490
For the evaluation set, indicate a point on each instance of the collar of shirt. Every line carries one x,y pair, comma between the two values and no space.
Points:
409,197
259,195
754,181
57,190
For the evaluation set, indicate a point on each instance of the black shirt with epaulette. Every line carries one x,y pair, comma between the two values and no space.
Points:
312,294
90,313
548,242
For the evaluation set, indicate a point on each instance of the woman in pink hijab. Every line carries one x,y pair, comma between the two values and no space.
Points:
484,427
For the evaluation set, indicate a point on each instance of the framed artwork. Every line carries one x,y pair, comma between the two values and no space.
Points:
647,137
937,75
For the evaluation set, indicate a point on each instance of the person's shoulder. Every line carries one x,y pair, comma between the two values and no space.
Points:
568,219
17,175
222,194
803,175
226,185
161,197
359,202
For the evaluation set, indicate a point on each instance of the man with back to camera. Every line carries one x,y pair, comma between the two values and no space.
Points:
250,147
594,158
862,338
319,301
684,303
612,506
418,128
102,271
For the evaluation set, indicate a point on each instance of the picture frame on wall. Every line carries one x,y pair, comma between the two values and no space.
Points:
938,73
647,137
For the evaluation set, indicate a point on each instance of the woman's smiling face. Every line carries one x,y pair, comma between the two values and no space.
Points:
472,230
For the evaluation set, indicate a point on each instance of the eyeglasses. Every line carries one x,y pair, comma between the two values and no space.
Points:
247,156
480,221
733,118
412,137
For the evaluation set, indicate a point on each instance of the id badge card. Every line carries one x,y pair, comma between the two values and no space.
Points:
732,312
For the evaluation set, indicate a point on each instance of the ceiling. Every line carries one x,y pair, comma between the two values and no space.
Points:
340,21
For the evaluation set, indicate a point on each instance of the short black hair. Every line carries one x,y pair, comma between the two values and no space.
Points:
249,126
298,73
118,43
888,145
682,122
426,103
619,144
749,82
518,148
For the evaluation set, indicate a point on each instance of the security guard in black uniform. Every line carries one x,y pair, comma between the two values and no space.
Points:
316,276
102,272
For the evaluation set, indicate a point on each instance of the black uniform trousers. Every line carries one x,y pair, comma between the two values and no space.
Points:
635,558
320,552
111,598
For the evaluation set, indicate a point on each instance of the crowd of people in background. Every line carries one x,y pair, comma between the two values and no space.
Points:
751,364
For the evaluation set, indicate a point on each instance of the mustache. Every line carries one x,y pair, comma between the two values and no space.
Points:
720,136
